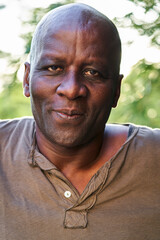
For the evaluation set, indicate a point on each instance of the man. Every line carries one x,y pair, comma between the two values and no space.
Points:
65,175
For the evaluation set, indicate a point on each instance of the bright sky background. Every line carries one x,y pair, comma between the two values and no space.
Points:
10,28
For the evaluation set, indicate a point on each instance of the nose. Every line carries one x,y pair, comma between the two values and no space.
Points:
72,87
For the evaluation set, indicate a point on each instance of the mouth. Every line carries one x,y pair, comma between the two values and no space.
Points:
69,114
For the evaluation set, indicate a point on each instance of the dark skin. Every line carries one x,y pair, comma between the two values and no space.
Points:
72,90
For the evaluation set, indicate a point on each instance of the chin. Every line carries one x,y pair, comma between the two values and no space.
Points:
69,142
72,139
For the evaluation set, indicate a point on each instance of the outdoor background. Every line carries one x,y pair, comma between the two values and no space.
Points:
138,22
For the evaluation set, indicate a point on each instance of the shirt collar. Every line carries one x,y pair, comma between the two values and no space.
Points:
35,158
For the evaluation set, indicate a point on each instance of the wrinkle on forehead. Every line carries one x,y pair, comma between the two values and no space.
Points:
76,17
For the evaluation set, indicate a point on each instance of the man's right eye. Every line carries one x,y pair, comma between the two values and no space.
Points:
55,69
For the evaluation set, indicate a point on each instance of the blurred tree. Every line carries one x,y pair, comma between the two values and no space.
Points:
2,6
140,102
149,24
13,103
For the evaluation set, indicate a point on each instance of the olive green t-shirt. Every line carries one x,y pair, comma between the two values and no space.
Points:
37,202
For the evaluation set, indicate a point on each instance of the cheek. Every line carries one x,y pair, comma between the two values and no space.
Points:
38,93
103,97
41,88
103,101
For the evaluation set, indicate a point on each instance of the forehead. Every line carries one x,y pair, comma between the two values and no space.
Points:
78,45
74,16
63,30
82,33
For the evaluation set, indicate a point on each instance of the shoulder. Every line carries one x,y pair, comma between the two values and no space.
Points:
141,138
148,140
127,130
149,133
15,127
141,142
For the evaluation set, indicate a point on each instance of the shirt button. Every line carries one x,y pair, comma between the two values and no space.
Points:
67,194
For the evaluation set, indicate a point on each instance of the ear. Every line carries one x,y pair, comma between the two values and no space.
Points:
26,79
117,91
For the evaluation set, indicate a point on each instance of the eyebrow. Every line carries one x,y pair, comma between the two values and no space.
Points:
47,59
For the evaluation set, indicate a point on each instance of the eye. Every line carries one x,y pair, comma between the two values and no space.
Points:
55,69
91,73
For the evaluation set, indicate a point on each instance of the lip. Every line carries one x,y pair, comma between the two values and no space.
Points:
69,114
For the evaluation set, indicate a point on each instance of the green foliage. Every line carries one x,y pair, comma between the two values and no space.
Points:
4,54
149,28
2,6
139,101
13,103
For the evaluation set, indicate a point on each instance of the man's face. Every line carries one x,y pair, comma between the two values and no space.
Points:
71,88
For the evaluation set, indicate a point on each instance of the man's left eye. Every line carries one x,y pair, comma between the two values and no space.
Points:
91,73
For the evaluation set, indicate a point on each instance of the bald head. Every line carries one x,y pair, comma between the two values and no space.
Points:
73,79
75,17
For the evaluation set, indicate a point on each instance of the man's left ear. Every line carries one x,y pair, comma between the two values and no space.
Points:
26,80
117,92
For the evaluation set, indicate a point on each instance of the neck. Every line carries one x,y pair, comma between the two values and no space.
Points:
80,163
70,159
